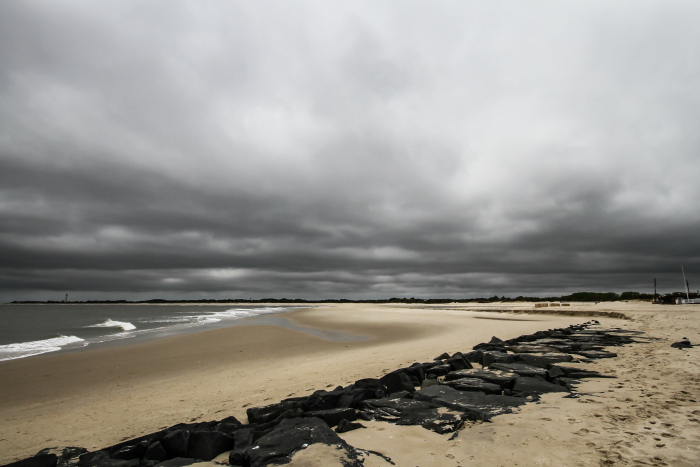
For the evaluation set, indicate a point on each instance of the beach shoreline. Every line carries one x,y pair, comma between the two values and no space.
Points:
99,397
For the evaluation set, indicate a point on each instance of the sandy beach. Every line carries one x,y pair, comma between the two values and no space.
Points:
647,415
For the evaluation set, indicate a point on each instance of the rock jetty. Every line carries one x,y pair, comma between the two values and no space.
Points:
441,395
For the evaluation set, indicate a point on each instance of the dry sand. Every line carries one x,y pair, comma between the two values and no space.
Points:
95,398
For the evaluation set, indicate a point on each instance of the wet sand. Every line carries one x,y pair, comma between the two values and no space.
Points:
99,397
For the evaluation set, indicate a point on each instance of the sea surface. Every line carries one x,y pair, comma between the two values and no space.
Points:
29,330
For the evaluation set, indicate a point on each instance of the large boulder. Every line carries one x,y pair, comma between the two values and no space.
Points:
206,445
397,381
40,460
519,368
475,405
176,443
333,416
291,435
495,356
504,379
474,384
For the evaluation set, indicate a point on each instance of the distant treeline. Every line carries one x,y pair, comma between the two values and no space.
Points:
574,297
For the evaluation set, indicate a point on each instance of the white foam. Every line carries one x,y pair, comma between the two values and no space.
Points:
123,325
28,349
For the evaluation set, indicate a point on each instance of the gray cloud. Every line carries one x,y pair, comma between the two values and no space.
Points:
302,149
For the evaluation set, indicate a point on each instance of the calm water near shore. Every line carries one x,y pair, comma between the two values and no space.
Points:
29,330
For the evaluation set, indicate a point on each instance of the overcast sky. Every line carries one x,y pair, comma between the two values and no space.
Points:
347,149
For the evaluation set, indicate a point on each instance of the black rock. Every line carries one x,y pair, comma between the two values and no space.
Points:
519,368
40,460
433,419
134,451
429,382
474,356
458,362
206,445
333,416
397,381
475,405
442,356
596,354
529,386
474,384
155,452
544,360
684,344
530,348
439,370
495,356
344,426
288,437
369,383
266,413
67,456
243,439
178,462
505,379
92,458
176,443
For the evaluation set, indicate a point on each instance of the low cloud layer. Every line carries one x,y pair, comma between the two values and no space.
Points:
302,149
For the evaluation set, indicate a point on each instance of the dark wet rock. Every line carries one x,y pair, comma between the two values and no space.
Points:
397,381
527,386
134,451
149,438
102,462
333,416
544,360
494,344
530,348
353,397
504,379
474,384
206,445
495,356
155,452
243,439
475,405
398,406
264,428
93,458
596,354
474,356
555,372
266,413
429,382
67,456
684,344
439,370
40,460
400,395
442,356
433,419
176,443
178,462
289,436
458,362
344,426
519,368
368,383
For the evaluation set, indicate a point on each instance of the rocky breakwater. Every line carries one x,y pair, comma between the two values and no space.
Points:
441,395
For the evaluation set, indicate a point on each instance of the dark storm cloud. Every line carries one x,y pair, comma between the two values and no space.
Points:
361,150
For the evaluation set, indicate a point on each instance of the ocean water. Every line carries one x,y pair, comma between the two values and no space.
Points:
29,330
